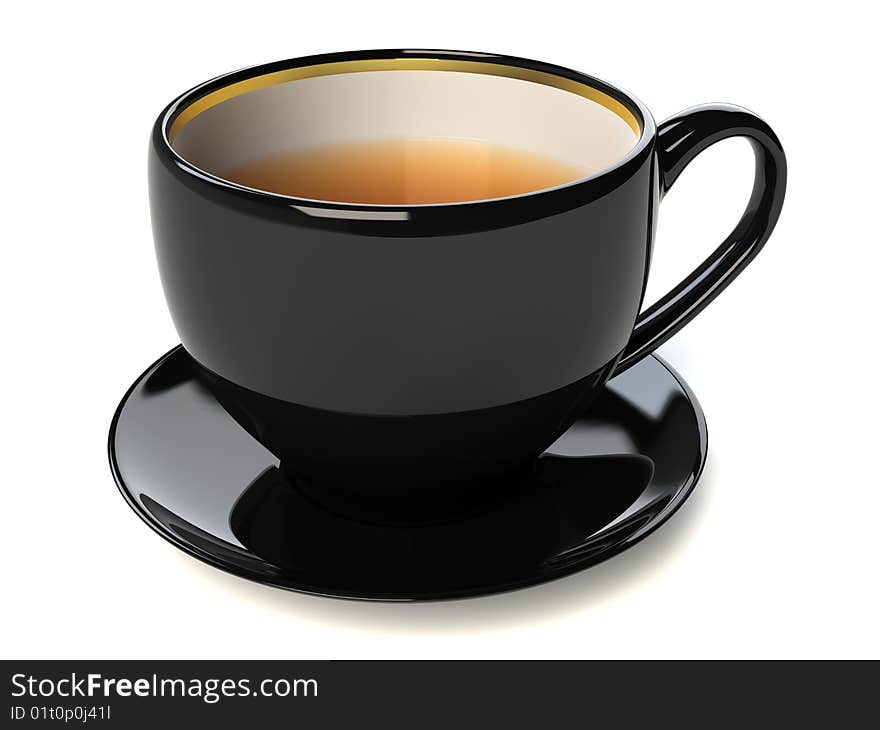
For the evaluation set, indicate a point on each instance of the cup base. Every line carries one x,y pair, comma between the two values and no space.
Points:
205,484
430,453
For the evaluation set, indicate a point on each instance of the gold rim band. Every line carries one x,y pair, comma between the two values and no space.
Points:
401,64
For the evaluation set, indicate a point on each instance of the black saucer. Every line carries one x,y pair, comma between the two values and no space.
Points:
207,486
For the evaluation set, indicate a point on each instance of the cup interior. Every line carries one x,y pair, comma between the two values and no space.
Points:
536,112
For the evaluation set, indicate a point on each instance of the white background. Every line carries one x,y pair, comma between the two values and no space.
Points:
775,554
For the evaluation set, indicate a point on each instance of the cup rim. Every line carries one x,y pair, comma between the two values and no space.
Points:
560,197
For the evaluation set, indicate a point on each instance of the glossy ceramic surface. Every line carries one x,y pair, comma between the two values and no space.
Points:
421,310
208,486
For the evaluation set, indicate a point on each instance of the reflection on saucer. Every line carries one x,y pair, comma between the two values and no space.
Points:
550,512
207,484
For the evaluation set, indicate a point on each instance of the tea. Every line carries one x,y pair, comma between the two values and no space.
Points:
405,172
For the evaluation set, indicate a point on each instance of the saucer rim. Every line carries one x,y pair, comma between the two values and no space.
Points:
678,498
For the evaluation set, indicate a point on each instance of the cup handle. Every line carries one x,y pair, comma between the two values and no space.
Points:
679,140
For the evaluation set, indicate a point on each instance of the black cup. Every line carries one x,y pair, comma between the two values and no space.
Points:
411,344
